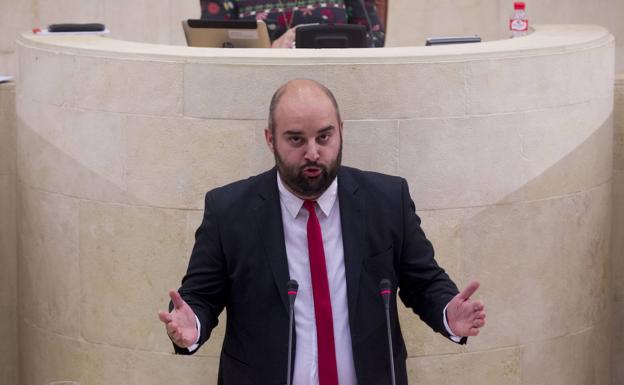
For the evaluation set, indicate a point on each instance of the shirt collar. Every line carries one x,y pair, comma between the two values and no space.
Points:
293,203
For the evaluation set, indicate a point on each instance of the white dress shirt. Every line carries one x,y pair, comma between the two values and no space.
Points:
295,219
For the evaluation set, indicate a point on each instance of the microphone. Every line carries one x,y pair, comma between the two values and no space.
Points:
370,25
292,287
386,292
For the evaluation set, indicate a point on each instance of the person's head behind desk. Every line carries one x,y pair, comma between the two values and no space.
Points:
304,133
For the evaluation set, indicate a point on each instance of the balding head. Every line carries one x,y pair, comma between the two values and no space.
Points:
305,135
303,90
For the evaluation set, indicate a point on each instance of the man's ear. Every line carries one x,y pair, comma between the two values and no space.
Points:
268,136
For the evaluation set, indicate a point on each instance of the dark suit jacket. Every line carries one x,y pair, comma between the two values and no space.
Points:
239,263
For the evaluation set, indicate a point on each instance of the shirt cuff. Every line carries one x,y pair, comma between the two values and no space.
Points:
195,345
452,335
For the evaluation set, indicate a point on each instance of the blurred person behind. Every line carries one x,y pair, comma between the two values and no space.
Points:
282,16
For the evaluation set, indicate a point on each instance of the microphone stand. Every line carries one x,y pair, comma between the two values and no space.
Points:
292,286
385,292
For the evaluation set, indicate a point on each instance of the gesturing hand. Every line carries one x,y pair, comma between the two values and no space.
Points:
180,323
465,316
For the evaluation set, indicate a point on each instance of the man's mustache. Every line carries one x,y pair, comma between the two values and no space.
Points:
313,164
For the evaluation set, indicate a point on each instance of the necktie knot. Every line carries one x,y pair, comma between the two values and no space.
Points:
310,206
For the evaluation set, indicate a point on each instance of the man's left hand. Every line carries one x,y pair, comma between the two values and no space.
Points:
465,316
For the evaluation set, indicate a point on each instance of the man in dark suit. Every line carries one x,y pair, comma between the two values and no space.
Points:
338,231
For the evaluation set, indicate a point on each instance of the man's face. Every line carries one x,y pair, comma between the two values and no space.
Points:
307,142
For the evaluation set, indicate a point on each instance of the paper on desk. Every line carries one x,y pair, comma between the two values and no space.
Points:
45,31
5,78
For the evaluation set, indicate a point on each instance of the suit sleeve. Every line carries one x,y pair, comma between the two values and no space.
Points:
205,286
424,285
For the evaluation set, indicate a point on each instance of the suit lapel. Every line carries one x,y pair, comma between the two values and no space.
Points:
353,234
268,218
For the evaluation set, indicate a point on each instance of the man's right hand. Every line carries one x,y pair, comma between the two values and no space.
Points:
180,323
287,40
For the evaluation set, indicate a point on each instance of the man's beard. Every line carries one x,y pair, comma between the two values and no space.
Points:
302,185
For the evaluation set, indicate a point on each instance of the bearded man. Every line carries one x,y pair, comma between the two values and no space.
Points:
338,231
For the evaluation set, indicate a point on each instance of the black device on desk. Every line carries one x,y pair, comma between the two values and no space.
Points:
331,36
453,40
74,27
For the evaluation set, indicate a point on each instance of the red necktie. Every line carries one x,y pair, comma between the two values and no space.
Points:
328,372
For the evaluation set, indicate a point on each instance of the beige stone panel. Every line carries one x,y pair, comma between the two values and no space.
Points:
75,152
460,162
9,360
157,368
132,86
129,257
7,129
599,12
48,357
617,240
399,91
514,84
444,228
576,162
173,162
44,76
543,266
235,91
587,259
139,20
8,63
17,16
69,11
618,31
8,243
181,10
617,344
574,359
371,145
49,276
505,158
411,22
262,156
8,281
618,121
501,366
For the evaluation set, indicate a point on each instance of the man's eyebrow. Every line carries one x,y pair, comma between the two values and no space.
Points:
326,129
321,131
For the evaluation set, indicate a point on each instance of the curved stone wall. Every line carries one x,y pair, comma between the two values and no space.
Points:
8,238
507,147
617,244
